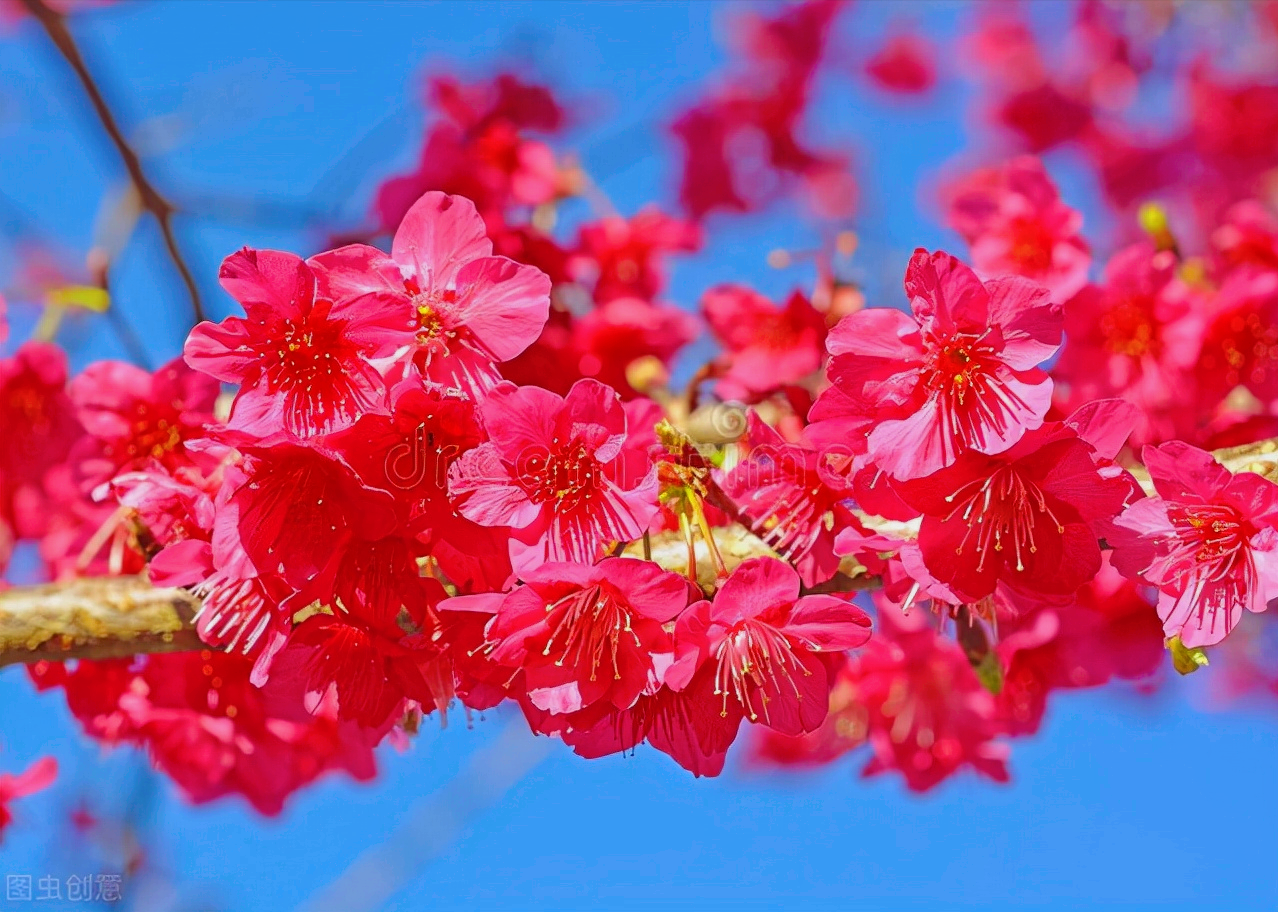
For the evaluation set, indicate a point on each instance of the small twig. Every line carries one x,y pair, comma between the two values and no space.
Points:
152,200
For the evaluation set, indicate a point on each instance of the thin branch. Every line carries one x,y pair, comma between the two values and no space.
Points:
152,201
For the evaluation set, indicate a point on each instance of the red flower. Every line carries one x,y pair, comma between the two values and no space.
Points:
1045,116
551,472
407,454
904,64
295,511
686,725
589,634
771,650
1208,541
456,308
368,674
303,361
134,419
921,706
764,100
959,374
613,336
1016,224
1240,344
38,776
782,492
209,729
33,398
1108,631
1137,335
766,346
624,257
1026,517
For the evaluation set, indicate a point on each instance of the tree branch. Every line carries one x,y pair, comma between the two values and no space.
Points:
153,202
111,617
95,619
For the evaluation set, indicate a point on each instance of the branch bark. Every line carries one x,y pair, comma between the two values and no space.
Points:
95,619
54,25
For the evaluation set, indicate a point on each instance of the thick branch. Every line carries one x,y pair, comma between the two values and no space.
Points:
110,617
120,616
95,619
152,201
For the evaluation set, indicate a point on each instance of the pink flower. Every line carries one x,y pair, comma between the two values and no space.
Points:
1247,236
456,309
33,397
904,64
624,257
766,346
771,650
1136,335
614,335
921,706
479,149
787,502
303,361
589,634
38,776
551,472
1016,224
134,419
959,374
1029,517
1108,631
1208,542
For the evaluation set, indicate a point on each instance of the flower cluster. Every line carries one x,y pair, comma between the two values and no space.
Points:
452,472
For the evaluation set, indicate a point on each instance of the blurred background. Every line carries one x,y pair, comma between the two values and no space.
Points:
272,124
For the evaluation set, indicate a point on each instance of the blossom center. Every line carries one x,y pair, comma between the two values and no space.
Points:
567,476
958,364
432,315
1251,348
1002,512
1209,535
590,626
303,355
152,436
1128,330
755,658
1031,246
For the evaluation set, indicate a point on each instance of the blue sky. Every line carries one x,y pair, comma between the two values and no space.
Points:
1123,800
